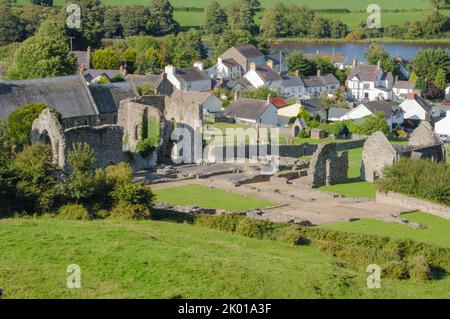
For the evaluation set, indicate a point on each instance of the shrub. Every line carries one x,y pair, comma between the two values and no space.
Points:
20,123
132,194
227,222
292,236
74,211
249,228
419,269
419,178
119,173
395,270
103,213
133,211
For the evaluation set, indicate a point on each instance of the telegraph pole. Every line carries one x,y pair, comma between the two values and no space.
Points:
71,43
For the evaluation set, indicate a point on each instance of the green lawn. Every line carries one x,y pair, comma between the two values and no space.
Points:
437,231
149,259
354,187
205,197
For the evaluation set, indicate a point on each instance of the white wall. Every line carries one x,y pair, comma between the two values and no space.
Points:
413,111
442,127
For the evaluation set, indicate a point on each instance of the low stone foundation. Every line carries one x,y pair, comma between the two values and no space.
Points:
412,203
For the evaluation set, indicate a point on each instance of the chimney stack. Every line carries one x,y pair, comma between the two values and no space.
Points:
318,72
270,63
297,73
199,65
379,64
411,95
88,58
253,66
169,69
396,79
354,63
237,95
269,98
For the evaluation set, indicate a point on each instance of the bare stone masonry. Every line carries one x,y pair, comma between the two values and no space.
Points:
327,168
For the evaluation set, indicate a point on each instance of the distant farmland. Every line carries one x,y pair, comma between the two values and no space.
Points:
408,10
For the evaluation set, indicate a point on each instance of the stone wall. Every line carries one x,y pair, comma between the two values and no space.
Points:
413,203
105,140
327,168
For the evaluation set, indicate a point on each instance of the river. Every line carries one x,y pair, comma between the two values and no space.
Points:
356,50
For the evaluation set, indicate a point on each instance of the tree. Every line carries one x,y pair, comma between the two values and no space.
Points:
375,52
260,93
161,15
92,17
20,122
435,23
441,79
297,62
80,183
320,28
415,30
241,15
275,21
427,63
338,29
9,23
375,123
135,20
44,55
105,59
112,25
325,65
216,19
438,4
44,3
150,62
433,93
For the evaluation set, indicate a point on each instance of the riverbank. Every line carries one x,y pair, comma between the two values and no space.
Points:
278,41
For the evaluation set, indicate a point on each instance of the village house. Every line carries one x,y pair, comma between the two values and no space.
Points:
285,114
392,112
442,127
292,86
320,84
226,84
263,76
401,89
244,56
253,111
95,75
336,113
157,83
189,79
416,109
369,83
208,101
338,60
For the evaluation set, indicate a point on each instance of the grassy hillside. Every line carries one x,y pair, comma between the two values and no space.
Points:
150,259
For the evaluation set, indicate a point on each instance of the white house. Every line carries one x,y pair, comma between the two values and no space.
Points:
392,111
292,86
263,76
416,109
370,83
320,84
209,102
401,89
252,111
189,79
442,127
225,69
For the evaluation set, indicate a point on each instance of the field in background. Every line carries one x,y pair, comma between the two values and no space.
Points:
437,230
150,259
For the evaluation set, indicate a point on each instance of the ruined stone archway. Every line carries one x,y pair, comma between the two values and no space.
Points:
47,129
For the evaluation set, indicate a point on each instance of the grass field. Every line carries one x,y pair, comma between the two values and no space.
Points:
354,187
150,259
205,197
437,231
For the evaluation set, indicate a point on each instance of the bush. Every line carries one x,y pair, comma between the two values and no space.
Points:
292,236
395,270
419,178
419,269
74,211
20,123
227,222
119,173
249,228
132,194
134,211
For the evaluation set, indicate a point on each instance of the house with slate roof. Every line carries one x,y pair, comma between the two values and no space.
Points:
263,76
189,79
416,110
208,101
369,83
252,111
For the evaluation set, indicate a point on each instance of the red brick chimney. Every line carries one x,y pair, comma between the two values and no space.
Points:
411,95
297,73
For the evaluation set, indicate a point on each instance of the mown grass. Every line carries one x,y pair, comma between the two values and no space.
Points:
437,229
206,197
149,259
